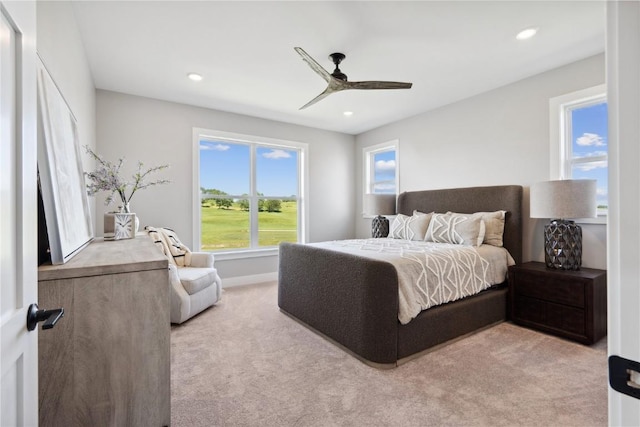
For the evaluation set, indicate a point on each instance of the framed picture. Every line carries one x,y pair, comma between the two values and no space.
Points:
64,195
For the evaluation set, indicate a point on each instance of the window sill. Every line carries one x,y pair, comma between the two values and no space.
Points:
245,253
601,220
369,216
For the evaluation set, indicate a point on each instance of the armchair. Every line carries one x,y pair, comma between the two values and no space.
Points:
195,284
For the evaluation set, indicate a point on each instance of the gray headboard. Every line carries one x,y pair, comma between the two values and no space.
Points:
470,200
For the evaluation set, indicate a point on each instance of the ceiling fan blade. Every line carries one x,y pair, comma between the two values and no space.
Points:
378,85
313,64
328,91
337,81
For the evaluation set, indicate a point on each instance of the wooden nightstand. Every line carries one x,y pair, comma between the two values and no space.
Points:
571,304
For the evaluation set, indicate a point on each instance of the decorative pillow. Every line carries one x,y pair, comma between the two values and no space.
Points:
494,227
456,228
410,227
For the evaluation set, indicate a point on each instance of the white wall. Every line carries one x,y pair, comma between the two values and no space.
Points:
61,49
495,138
158,132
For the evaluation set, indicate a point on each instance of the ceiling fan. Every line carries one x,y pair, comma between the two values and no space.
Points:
337,80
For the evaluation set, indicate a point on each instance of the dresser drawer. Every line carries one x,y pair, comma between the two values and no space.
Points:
552,289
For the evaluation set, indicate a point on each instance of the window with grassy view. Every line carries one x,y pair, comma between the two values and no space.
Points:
250,194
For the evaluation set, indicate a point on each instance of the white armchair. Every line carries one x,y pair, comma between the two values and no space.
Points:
195,284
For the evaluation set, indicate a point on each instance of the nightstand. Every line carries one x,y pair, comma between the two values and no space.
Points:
570,304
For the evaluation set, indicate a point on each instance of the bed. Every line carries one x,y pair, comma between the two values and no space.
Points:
353,300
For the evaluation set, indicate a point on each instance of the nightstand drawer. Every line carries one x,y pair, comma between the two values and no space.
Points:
565,318
546,314
551,289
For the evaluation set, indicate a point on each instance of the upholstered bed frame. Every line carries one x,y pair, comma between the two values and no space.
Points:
353,300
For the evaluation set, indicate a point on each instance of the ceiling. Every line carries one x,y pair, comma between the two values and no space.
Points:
450,50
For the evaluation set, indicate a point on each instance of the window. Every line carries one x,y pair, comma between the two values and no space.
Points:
250,192
381,168
579,139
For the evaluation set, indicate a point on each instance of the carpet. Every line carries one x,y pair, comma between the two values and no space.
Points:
244,363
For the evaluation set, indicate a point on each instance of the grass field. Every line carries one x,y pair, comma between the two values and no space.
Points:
229,228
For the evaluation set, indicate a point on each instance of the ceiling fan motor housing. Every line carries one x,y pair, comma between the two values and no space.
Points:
337,58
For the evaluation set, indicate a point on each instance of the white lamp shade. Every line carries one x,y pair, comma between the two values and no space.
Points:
380,204
565,199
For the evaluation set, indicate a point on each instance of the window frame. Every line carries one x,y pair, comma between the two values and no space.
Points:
561,160
368,154
252,141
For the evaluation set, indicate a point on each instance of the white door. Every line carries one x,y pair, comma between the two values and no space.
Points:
623,86
18,214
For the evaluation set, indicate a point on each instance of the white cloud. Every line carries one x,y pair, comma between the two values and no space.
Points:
277,154
591,166
590,139
217,147
385,165
597,153
384,187
602,192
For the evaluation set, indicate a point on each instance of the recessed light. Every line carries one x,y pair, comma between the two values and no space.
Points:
526,34
195,77
348,113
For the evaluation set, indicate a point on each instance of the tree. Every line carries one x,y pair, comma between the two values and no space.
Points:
243,204
220,202
261,203
273,205
224,203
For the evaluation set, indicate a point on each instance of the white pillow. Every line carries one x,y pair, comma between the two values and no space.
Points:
494,223
494,226
410,227
460,229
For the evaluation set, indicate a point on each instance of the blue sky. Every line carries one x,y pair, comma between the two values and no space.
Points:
590,138
225,166
384,170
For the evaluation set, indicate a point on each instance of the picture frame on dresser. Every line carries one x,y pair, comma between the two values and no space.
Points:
61,177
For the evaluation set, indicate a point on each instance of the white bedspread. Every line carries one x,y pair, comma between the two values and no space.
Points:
429,273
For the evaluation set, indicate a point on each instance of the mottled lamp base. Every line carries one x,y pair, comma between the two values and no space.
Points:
379,227
563,245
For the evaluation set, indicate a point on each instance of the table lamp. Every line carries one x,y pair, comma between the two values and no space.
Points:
561,201
379,205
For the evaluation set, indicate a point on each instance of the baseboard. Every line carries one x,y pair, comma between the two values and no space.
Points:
230,282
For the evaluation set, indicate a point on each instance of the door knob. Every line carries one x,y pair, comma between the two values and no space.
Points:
50,317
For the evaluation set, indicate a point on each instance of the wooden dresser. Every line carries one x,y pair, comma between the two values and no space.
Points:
107,361
571,304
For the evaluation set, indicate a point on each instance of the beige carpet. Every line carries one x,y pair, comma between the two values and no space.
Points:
244,363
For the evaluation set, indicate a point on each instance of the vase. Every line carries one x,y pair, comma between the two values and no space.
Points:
125,208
